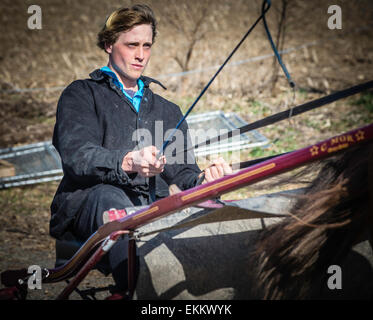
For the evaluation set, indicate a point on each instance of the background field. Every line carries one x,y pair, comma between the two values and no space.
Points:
193,36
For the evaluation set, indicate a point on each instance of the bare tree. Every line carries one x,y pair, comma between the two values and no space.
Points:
192,21
189,22
191,28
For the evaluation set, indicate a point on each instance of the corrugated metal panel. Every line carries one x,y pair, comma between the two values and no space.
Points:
219,120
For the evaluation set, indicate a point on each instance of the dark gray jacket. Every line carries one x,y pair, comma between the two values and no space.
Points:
94,130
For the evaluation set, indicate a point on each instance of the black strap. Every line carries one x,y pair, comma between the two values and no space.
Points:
246,164
287,113
152,189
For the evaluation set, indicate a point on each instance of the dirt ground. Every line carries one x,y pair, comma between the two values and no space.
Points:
60,53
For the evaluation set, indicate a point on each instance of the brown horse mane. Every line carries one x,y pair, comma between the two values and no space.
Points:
334,213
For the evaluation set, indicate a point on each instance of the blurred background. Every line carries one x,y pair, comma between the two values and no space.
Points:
194,38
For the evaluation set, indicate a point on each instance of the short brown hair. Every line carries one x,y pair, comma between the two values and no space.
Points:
125,19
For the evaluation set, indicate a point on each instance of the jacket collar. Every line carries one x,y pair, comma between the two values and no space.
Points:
98,75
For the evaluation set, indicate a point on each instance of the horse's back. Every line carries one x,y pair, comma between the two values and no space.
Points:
218,261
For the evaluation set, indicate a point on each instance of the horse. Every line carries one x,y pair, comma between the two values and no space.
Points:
324,224
328,223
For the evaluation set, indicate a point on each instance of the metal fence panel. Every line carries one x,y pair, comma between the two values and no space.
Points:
40,162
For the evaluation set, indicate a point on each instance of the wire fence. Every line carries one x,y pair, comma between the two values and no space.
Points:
180,74
195,71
